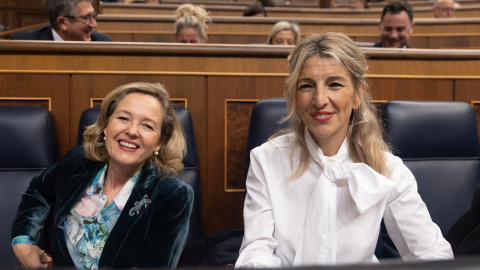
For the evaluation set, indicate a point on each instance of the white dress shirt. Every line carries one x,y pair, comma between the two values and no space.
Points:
332,213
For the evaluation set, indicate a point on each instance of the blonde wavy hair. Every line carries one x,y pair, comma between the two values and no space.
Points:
173,149
281,26
192,16
365,133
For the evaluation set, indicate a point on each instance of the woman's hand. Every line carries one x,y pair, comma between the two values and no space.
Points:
31,256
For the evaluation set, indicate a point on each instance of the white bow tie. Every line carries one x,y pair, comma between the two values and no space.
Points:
367,187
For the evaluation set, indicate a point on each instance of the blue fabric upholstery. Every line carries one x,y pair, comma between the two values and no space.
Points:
191,173
28,144
264,122
438,142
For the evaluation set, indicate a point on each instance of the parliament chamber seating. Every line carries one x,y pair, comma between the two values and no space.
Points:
28,145
438,142
190,174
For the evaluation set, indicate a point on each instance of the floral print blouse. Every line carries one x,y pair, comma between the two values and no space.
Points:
90,222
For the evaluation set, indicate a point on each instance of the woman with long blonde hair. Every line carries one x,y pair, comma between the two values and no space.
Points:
317,193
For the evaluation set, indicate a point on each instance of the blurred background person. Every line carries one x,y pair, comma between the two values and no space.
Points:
284,33
358,4
443,8
255,10
396,25
327,3
191,24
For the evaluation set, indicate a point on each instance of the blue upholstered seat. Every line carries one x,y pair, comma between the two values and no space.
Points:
264,122
438,142
28,144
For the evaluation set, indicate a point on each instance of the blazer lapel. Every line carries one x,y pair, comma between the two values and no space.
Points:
70,196
124,225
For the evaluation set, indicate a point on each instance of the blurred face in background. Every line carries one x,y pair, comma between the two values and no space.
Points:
395,30
357,4
188,35
284,37
444,9
333,3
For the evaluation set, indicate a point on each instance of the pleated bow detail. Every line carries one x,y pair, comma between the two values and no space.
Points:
318,244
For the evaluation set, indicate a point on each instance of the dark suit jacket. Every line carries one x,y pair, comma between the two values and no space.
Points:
464,236
154,238
379,45
45,33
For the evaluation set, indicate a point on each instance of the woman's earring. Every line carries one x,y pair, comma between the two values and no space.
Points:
155,153
104,138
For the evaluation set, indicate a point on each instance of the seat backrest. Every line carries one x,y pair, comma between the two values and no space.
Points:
264,122
28,145
191,172
438,142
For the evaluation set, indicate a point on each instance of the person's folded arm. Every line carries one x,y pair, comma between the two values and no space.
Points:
258,246
408,221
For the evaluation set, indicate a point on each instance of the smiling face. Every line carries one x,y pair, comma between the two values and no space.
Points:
284,37
133,131
188,35
325,98
395,30
77,29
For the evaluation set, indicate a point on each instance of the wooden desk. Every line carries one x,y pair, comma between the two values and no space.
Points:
281,12
219,84
233,25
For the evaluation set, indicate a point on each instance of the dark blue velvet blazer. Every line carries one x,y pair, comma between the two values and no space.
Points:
153,238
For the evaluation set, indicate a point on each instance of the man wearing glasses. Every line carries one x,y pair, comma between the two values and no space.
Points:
70,20
443,8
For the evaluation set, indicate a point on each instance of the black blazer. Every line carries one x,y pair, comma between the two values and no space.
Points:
464,236
153,238
45,33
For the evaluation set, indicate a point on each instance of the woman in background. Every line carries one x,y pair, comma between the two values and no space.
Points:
284,33
191,24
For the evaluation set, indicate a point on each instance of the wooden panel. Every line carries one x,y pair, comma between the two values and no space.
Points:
281,12
237,113
44,103
224,209
421,41
222,24
20,13
411,89
468,91
54,87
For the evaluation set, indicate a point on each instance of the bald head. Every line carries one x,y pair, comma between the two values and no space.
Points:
443,8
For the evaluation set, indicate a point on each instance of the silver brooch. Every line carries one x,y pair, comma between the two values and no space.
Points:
138,205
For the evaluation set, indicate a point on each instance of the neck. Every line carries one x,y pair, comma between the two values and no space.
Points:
117,176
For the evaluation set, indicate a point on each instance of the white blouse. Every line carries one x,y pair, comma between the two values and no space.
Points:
332,213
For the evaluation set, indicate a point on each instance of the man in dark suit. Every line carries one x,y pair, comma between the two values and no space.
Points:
396,25
70,20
